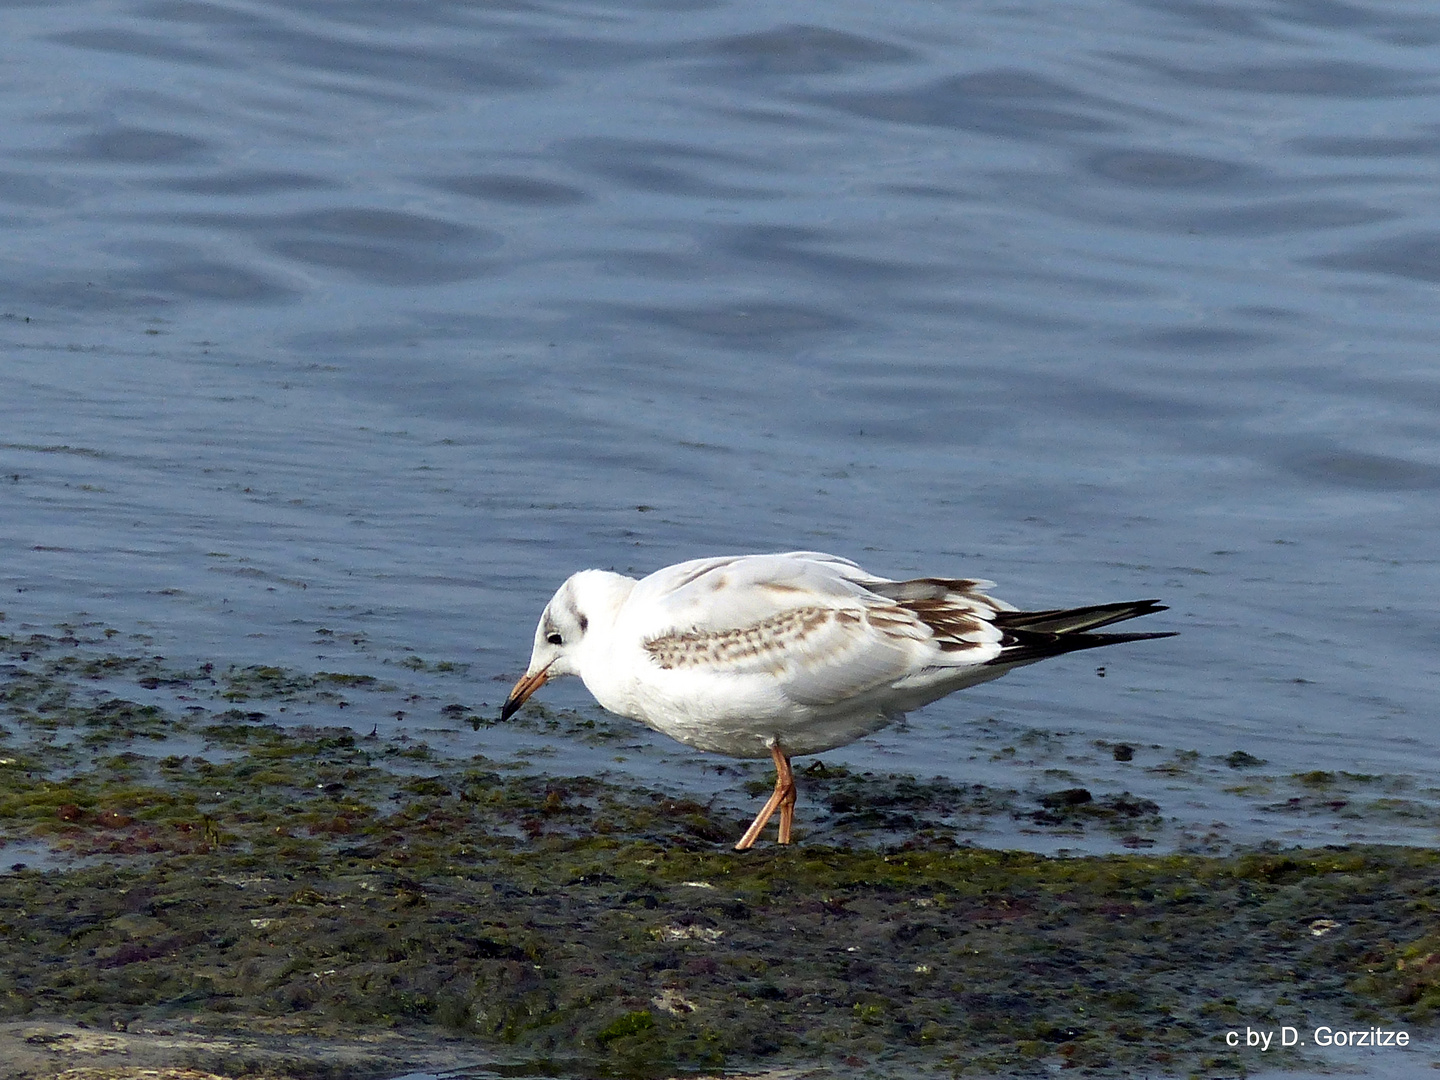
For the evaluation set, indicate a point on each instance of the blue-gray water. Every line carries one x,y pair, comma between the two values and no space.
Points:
384,317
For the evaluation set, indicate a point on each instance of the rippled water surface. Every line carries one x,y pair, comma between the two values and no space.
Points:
383,317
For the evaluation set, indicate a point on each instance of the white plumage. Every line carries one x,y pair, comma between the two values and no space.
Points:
795,653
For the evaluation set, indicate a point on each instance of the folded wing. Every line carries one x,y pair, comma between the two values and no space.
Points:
824,629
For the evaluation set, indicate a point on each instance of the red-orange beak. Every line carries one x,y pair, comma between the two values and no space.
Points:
521,691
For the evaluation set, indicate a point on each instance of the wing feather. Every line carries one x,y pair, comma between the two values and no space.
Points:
733,592
817,655
824,629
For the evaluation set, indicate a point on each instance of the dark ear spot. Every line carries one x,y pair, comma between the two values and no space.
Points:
584,623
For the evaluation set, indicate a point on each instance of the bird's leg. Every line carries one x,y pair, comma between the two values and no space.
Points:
782,797
783,776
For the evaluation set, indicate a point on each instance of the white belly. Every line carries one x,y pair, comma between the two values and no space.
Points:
740,716
745,715
751,738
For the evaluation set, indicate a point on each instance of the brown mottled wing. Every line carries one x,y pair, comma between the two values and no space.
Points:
817,655
825,640
959,615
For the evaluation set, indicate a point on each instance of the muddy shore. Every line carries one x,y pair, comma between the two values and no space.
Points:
202,888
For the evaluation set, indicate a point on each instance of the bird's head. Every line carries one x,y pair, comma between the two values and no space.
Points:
576,616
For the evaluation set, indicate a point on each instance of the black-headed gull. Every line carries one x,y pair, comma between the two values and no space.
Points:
797,653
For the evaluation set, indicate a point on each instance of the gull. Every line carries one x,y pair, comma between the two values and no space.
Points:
775,656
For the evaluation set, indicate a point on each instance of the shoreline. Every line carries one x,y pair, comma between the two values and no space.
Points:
343,890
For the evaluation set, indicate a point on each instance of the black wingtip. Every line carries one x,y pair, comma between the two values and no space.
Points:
1076,620
1038,635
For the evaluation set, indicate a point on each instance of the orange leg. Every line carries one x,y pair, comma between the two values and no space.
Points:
782,798
787,804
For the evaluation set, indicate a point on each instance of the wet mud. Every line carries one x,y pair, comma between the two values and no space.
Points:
203,888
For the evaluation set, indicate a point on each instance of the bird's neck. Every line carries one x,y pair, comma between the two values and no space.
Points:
602,596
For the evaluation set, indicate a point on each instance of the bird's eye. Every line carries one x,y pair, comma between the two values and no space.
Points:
554,639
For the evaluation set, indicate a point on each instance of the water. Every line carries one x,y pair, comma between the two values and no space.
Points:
384,318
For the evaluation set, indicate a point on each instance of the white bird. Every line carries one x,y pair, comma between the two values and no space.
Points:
797,653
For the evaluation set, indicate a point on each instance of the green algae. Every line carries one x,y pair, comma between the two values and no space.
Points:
320,876
969,959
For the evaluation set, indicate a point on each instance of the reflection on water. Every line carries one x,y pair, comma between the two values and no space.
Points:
388,317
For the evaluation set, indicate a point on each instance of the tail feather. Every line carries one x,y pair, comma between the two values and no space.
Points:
1038,635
